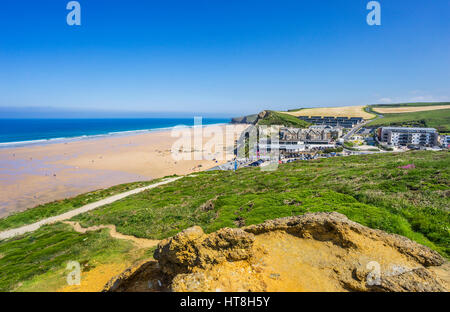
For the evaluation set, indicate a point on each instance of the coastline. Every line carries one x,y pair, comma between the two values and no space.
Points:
37,174
53,140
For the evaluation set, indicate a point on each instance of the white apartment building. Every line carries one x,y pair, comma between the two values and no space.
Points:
444,140
403,136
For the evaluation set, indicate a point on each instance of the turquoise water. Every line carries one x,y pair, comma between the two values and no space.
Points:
19,132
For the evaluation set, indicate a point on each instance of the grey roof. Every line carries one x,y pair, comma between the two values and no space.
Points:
408,129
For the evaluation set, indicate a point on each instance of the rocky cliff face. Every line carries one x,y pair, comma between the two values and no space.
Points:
312,252
249,119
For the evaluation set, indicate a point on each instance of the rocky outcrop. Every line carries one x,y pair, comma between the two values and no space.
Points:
312,252
191,249
337,228
249,119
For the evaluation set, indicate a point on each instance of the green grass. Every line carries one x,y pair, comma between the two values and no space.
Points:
44,254
411,104
369,189
338,149
439,119
350,146
277,118
369,110
58,207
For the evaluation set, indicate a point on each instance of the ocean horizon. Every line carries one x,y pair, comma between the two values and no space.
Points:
23,132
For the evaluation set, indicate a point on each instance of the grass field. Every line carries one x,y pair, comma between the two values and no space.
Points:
409,109
414,104
369,189
439,119
344,111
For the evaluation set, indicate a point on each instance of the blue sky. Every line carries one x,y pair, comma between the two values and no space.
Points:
221,56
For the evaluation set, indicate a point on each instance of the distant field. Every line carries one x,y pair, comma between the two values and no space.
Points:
344,111
409,109
411,104
439,119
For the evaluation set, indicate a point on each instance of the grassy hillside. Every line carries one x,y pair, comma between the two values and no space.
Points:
369,189
439,119
277,118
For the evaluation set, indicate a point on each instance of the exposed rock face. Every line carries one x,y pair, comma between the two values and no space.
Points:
337,228
249,119
313,252
192,249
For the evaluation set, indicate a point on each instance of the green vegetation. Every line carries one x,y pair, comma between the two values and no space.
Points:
369,189
44,254
381,146
277,118
350,146
369,110
333,150
439,119
411,104
58,207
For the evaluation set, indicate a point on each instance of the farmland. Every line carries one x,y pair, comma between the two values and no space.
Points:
409,109
344,111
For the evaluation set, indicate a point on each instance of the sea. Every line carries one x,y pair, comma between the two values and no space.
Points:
23,132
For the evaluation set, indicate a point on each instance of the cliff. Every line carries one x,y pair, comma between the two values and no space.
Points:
312,252
269,118
249,119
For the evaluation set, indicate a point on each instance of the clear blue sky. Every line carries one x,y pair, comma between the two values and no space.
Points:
222,56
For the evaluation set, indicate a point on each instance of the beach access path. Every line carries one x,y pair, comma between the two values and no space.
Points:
70,214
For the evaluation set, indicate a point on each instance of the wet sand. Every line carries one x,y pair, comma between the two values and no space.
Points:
38,174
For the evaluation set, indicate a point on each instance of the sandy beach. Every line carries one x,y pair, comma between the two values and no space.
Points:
38,174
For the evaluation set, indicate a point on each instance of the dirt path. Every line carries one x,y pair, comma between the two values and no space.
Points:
70,214
95,280
139,242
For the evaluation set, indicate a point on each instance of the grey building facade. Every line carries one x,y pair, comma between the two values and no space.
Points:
403,136
345,122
